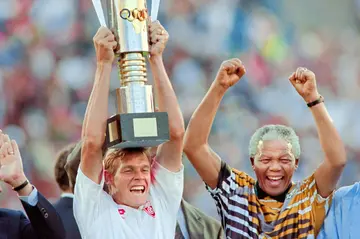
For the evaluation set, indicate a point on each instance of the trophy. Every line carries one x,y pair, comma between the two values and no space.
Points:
135,124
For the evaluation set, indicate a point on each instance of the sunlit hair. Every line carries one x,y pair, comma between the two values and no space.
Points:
275,132
113,158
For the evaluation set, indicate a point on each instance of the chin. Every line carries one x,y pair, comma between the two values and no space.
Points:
276,192
141,199
138,202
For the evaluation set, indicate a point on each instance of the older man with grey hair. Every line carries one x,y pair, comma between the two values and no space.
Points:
272,206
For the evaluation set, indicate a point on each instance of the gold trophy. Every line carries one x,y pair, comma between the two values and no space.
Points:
135,124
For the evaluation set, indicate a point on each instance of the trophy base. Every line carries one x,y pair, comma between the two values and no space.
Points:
134,130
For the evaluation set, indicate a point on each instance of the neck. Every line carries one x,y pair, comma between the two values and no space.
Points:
118,201
262,194
67,195
67,191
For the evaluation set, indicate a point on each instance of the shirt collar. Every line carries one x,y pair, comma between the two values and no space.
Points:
261,194
67,195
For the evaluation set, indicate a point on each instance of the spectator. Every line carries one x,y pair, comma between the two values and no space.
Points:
43,220
64,206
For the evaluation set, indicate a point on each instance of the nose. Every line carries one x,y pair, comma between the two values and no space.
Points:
138,174
275,166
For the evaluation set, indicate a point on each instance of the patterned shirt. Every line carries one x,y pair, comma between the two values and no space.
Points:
244,215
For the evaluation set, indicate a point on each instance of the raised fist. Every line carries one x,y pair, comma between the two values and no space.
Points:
158,38
230,73
105,44
304,82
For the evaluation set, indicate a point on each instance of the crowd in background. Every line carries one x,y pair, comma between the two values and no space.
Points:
47,64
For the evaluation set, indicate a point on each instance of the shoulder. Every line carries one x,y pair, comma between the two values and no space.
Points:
307,184
57,203
236,175
11,213
63,203
348,191
209,221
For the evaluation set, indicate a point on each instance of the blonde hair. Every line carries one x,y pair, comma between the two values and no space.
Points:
113,158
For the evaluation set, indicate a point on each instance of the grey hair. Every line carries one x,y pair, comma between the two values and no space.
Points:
273,132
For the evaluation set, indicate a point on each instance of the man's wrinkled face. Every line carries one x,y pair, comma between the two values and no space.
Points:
274,166
132,180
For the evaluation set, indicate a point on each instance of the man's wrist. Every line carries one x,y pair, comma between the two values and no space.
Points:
312,98
103,64
26,191
18,180
156,59
316,102
218,88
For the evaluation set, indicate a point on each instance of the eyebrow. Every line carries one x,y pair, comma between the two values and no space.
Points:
127,167
132,166
281,156
284,155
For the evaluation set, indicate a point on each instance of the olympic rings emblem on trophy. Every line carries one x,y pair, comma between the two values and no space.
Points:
131,15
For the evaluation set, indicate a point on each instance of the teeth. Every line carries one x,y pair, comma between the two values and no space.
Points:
275,178
138,188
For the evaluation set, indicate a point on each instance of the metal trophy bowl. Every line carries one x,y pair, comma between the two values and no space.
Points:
135,124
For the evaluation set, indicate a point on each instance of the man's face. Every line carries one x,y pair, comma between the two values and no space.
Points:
132,180
274,166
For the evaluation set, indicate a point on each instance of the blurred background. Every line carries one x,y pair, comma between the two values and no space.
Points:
47,64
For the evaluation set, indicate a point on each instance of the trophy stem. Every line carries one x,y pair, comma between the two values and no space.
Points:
132,67
134,96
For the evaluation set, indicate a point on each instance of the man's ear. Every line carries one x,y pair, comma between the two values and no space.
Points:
252,162
108,177
296,163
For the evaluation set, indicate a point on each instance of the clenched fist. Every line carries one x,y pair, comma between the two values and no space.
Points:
158,38
105,44
230,73
304,82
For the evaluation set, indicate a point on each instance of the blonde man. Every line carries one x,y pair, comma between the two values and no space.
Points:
136,206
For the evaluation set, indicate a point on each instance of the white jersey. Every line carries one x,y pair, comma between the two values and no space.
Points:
99,217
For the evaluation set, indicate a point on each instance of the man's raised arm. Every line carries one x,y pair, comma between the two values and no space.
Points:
329,172
169,153
44,220
94,125
203,158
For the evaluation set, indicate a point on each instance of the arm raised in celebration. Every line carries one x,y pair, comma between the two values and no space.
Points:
329,172
204,159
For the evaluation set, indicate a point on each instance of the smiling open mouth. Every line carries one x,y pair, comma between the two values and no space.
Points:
274,178
274,181
137,189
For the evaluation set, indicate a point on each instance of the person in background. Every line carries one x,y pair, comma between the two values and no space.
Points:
343,221
193,223
64,206
43,222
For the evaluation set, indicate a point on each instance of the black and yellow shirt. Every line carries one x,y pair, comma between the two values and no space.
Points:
245,215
